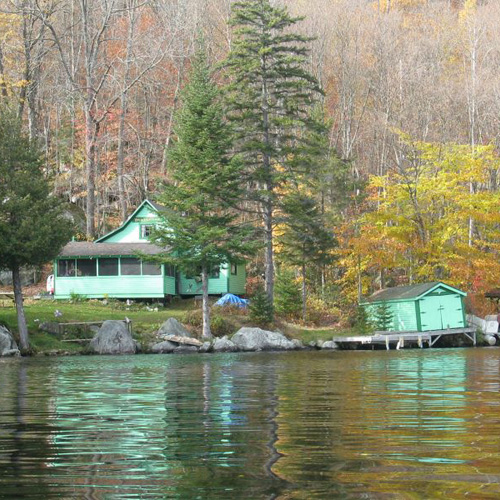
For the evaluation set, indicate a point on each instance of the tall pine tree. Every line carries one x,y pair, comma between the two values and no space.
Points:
268,101
306,238
200,229
32,226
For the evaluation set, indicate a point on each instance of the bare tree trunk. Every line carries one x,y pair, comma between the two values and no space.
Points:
304,293
3,85
269,252
21,318
90,147
207,334
124,108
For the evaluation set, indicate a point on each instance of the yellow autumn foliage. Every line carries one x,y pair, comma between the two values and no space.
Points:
435,217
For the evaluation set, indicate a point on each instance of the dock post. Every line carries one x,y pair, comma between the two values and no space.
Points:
387,342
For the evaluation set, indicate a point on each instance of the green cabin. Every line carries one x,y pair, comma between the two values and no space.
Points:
109,267
419,308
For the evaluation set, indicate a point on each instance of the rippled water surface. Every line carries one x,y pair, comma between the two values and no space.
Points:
412,424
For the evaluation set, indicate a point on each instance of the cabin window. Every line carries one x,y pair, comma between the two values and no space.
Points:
65,268
86,267
234,269
214,272
151,269
130,267
108,267
169,270
146,231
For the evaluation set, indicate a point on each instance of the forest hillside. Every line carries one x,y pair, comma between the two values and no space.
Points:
407,180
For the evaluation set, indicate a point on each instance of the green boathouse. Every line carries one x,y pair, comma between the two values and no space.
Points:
109,267
420,308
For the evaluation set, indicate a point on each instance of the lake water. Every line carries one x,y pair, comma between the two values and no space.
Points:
397,424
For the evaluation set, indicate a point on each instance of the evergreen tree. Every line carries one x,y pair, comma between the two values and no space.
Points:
268,99
384,317
32,227
287,300
306,239
199,228
261,310
360,321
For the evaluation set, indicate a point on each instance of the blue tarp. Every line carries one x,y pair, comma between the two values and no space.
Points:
231,300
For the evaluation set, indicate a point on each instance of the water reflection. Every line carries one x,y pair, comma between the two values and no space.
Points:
414,424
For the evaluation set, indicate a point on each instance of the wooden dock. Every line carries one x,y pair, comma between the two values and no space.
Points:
399,340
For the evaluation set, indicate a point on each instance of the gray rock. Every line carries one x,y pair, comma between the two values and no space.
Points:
330,344
223,344
185,349
298,344
313,344
256,339
206,347
113,338
11,352
163,347
173,327
8,346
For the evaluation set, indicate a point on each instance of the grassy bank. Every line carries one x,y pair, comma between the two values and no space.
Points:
146,319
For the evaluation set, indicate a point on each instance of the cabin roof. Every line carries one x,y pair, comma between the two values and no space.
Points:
409,292
155,206
89,249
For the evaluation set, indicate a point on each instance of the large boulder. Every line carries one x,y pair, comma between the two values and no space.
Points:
223,344
163,347
256,339
8,346
173,327
205,347
113,337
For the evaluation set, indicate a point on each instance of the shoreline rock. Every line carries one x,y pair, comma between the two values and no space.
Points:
223,344
173,327
256,339
113,337
8,346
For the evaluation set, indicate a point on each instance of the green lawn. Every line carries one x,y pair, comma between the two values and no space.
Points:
143,320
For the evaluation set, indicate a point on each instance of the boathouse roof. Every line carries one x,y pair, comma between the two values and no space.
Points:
409,292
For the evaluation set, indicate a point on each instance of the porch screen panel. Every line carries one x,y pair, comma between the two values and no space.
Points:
130,267
86,267
65,268
108,267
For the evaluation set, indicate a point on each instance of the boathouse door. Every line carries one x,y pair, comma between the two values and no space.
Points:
441,312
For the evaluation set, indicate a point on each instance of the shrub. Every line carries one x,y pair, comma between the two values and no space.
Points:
383,315
319,312
77,297
360,321
261,310
287,296
219,325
